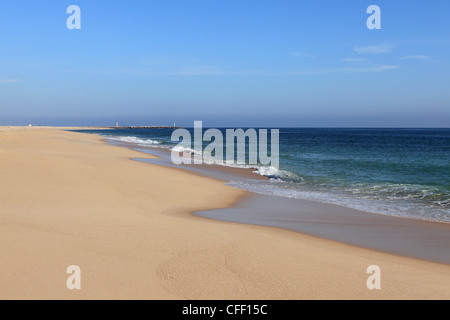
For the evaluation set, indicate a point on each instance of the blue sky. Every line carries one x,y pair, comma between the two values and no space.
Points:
226,62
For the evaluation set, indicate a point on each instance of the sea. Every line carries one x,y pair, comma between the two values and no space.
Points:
397,172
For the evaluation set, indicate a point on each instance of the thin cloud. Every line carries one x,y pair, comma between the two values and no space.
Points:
300,54
204,70
199,70
417,57
375,49
9,80
379,68
354,60
369,69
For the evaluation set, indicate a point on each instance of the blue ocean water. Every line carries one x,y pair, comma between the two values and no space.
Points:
401,172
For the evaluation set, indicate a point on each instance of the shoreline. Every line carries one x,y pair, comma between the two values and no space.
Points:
206,170
128,218
248,172
413,238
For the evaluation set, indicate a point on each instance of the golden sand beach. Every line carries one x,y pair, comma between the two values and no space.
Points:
71,199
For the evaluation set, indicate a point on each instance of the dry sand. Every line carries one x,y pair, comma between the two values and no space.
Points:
70,199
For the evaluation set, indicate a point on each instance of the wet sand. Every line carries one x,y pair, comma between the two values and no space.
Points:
402,236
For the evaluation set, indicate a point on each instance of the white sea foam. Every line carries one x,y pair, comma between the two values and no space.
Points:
378,205
184,149
144,142
267,171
